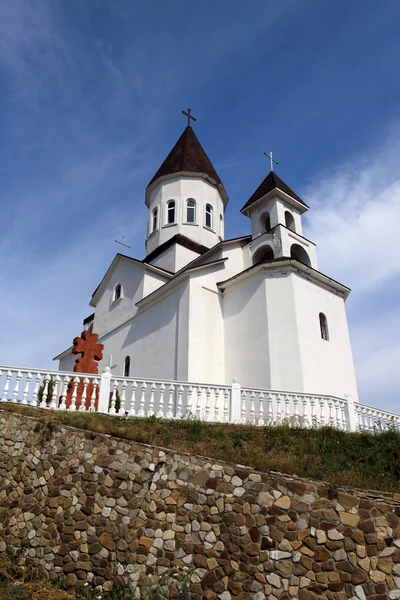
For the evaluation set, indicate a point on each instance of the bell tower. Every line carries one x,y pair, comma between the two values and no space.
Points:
186,201
275,212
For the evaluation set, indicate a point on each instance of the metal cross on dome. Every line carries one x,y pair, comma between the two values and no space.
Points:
272,160
189,115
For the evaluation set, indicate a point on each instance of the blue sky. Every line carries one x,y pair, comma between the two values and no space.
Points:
90,104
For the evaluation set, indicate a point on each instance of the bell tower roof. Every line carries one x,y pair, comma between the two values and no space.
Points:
188,157
271,182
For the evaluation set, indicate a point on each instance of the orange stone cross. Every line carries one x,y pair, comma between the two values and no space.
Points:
91,352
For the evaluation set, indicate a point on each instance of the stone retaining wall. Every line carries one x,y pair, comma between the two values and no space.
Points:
96,509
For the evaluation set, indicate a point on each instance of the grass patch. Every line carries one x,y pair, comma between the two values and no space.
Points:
364,460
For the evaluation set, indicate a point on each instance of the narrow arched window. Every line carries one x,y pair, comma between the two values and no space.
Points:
171,212
155,220
127,366
190,211
266,221
323,324
209,214
117,292
289,220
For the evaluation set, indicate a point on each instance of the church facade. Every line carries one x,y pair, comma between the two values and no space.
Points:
205,309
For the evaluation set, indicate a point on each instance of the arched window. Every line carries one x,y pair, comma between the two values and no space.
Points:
289,220
117,292
127,366
171,212
209,214
266,221
323,325
154,224
298,253
190,211
90,328
263,253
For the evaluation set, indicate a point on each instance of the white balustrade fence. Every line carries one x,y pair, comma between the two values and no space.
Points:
129,396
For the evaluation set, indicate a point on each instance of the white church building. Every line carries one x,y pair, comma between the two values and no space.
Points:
205,309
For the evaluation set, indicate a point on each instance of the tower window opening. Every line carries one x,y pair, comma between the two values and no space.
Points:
190,211
263,253
155,220
117,292
266,222
298,253
127,366
323,325
289,221
171,212
209,214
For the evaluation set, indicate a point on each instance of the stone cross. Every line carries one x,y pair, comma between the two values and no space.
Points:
91,352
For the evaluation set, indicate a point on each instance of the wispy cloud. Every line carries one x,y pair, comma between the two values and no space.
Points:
354,221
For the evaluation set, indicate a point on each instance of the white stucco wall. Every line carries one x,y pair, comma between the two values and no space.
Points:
327,366
154,339
246,333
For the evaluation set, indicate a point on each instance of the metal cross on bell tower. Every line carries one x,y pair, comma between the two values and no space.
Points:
188,114
272,160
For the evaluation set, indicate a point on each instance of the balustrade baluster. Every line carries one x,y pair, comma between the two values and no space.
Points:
150,412
331,415
43,403
295,411
260,408
38,379
314,420
6,386
18,378
208,396
198,402
82,405
216,405
112,410
160,412
226,405
243,407
179,403
278,409
252,407
124,385
74,395
26,388
321,411
94,395
305,412
63,404
54,397
189,402
287,409
141,412
344,420
270,411
132,407
170,411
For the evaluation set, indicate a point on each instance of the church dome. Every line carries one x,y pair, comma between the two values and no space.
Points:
188,158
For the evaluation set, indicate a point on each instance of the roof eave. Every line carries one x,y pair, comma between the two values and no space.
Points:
191,174
278,264
300,206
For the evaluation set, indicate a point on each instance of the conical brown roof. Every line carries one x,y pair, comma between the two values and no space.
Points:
187,156
271,182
